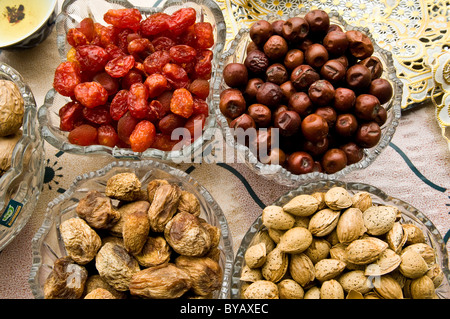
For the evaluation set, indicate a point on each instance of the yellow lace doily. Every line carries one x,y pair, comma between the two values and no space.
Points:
415,31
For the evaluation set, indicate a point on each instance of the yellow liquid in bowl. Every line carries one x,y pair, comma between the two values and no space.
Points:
14,26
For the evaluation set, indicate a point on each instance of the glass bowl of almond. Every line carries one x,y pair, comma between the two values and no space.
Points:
338,240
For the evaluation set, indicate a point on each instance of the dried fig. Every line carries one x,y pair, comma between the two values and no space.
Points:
97,210
164,206
66,281
189,203
80,240
165,281
186,235
124,186
135,231
116,266
156,251
11,108
95,282
153,185
205,273
128,208
99,293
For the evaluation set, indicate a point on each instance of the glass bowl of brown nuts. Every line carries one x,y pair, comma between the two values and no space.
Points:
138,229
337,240
22,154
306,97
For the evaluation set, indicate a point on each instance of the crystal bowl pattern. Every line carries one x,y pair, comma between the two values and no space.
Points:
72,12
22,183
410,215
47,244
237,53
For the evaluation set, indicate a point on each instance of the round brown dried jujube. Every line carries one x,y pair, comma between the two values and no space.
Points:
358,77
270,94
256,61
334,160
288,90
278,27
232,103
288,122
252,88
368,134
333,71
303,76
301,103
275,47
300,163
336,43
294,58
346,125
344,99
314,128
243,121
374,65
316,148
382,89
316,55
235,75
318,21
277,73
328,113
367,107
359,44
295,29
321,93
261,114
260,31
353,152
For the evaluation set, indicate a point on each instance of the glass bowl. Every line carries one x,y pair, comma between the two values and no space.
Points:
410,215
27,34
47,244
22,183
237,54
72,12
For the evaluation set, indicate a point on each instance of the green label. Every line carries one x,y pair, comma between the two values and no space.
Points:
11,212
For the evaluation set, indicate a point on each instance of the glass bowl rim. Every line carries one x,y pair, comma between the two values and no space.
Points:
50,215
277,171
257,224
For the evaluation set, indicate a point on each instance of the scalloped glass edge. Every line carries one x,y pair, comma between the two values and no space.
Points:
50,215
407,211
276,172
59,139
32,140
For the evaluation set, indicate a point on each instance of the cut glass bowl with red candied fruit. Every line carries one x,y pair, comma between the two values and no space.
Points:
134,81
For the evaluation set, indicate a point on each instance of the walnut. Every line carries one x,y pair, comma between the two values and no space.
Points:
165,281
135,231
152,186
189,203
116,266
99,293
66,281
138,206
124,186
95,282
187,236
164,206
97,210
156,251
205,273
80,240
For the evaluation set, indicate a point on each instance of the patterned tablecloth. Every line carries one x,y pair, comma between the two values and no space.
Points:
414,168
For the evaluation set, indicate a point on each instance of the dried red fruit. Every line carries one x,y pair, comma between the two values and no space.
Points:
182,53
203,67
195,125
104,35
109,83
107,135
156,61
119,105
140,48
176,75
200,106
91,94
67,77
156,111
199,88
120,66
163,43
86,26
137,100
99,115
182,103
70,116
204,35
83,135
124,18
76,38
142,136
125,127
134,76
92,58
156,84
170,122
181,19
164,142
154,24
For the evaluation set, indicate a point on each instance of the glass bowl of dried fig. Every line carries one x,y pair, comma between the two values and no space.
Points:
337,240
306,96
133,229
22,154
134,82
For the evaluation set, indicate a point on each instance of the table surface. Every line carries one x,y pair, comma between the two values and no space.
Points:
414,168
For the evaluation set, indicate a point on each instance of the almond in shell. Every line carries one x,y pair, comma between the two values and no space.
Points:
350,225
412,264
329,268
355,280
338,198
422,288
275,217
331,289
255,256
379,219
387,287
301,269
323,222
275,266
262,289
415,234
290,289
396,237
362,200
386,263
364,251
302,205
295,240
